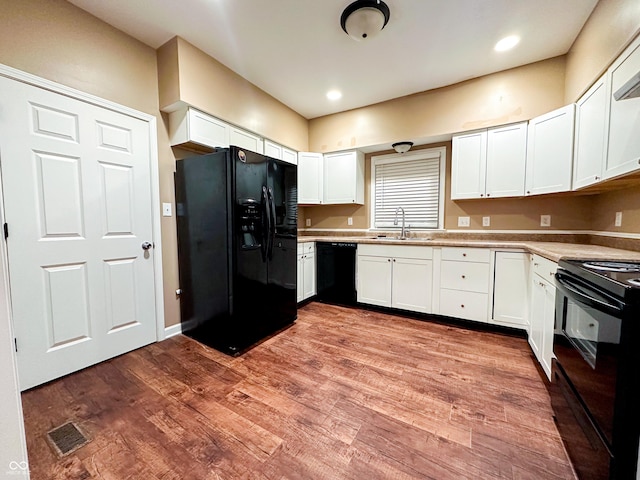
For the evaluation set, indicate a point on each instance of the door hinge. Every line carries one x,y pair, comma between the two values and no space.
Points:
15,342
6,230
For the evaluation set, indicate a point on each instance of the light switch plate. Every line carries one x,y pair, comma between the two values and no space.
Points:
463,221
349,220
486,221
166,210
618,222
307,222
545,220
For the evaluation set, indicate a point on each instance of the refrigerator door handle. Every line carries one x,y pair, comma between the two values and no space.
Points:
272,222
266,224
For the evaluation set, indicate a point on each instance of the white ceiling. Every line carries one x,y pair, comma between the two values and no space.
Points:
296,51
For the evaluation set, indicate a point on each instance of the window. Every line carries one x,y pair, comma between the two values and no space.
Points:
413,181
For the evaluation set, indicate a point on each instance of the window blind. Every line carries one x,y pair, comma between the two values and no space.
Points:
413,185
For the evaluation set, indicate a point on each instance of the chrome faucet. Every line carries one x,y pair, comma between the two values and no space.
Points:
403,234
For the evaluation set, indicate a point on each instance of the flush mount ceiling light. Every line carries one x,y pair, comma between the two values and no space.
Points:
402,147
334,94
363,19
507,43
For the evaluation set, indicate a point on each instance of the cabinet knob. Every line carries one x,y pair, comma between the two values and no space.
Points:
464,254
482,194
394,260
597,177
528,192
388,259
488,194
462,306
464,276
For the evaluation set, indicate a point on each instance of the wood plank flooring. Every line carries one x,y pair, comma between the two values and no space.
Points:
343,394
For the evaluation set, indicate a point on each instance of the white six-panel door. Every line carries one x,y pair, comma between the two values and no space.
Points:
77,191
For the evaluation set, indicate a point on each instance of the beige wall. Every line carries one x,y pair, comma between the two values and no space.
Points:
57,41
191,76
612,25
607,204
510,96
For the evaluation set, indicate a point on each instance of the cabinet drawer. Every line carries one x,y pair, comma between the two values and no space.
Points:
396,251
467,305
306,247
466,254
545,268
467,276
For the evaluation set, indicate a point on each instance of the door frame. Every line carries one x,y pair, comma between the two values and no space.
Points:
33,80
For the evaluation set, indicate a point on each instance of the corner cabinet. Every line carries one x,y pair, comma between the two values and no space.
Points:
489,163
624,117
550,152
396,276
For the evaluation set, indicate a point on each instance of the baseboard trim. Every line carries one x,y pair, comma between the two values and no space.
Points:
173,330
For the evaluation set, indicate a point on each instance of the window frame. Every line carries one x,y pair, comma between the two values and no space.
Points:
424,154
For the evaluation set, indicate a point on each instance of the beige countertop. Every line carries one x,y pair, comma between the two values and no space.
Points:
551,250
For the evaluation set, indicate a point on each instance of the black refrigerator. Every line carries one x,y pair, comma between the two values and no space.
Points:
237,244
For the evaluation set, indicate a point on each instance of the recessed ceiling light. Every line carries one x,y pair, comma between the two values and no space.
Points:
507,43
334,94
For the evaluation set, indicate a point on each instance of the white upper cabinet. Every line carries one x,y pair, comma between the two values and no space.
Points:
624,117
344,177
274,150
590,148
506,160
190,126
550,152
489,163
468,165
243,139
310,178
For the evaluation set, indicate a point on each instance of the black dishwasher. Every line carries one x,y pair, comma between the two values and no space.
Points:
336,272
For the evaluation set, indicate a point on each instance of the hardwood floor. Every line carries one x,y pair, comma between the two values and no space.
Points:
343,394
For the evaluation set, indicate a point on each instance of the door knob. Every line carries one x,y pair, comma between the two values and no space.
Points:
146,245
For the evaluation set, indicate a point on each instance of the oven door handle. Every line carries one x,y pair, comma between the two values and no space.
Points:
565,284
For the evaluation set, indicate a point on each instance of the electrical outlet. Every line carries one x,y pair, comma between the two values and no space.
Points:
463,221
166,209
486,221
618,219
349,220
307,222
545,220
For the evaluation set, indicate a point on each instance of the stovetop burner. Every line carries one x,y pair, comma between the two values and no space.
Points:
613,266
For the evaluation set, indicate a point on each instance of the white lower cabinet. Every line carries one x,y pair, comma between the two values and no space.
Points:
465,275
511,289
542,311
306,271
396,276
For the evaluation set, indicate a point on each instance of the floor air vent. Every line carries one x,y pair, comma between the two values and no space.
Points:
66,439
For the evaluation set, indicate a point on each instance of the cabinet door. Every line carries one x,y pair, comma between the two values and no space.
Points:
511,289
191,126
243,139
591,135
468,168
374,280
412,284
550,152
506,160
536,315
272,149
344,178
547,328
289,156
309,275
310,178
300,290
624,117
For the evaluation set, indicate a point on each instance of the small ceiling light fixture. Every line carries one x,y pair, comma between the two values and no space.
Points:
507,43
334,94
402,147
363,19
